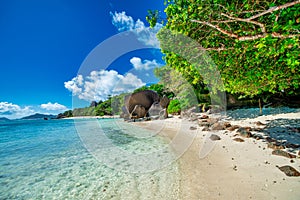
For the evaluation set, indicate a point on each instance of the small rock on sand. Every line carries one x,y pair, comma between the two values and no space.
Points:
218,126
206,128
289,171
238,140
279,152
275,145
234,127
214,137
244,132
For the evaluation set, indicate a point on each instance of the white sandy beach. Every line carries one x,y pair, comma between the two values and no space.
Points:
231,170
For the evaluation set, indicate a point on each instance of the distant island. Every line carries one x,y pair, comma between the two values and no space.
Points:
3,119
40,116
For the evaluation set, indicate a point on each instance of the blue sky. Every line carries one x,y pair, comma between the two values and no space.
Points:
43,45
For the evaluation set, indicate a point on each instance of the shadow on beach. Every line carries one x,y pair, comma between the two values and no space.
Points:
251,113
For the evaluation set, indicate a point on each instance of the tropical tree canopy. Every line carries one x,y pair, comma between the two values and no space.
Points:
254,44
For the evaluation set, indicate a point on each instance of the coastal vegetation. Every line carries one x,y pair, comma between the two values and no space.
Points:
254,44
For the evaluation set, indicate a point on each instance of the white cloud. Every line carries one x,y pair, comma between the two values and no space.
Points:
145,34
122,21
53,106
138,64
74,84
99,84
13,111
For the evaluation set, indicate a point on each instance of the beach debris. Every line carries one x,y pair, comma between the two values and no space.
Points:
238,140
244,132
279,152
266,162
289,171
214,137
193,128
235,168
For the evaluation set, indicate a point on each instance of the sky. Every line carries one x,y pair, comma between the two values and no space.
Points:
54,53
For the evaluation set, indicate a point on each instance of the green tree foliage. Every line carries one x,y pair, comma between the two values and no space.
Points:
175,83
255,44
174,107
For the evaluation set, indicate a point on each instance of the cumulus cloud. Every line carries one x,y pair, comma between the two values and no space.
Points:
145,34
138,64
53,106
13,111
100,84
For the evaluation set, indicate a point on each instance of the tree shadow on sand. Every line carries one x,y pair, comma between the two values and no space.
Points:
286,131
250,113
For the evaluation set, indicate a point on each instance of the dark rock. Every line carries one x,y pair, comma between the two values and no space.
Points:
206,128
295,129
257,137
293,146
268,139
244,132
258,129
238,140
193,128
218,126
289,171
232,128
214,137
279,152
227,124
248,128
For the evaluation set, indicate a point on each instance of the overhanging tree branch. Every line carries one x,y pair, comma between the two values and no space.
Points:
250,20
274,9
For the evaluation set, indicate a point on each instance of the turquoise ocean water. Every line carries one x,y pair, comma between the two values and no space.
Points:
48,160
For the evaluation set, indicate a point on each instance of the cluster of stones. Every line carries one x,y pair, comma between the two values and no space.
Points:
214,124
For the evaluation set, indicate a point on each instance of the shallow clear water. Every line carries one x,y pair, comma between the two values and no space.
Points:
54,160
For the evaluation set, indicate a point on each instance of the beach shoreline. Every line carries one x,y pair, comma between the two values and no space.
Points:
94,117
232,169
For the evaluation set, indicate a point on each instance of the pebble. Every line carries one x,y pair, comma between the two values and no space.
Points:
279,152
214,137
238,140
